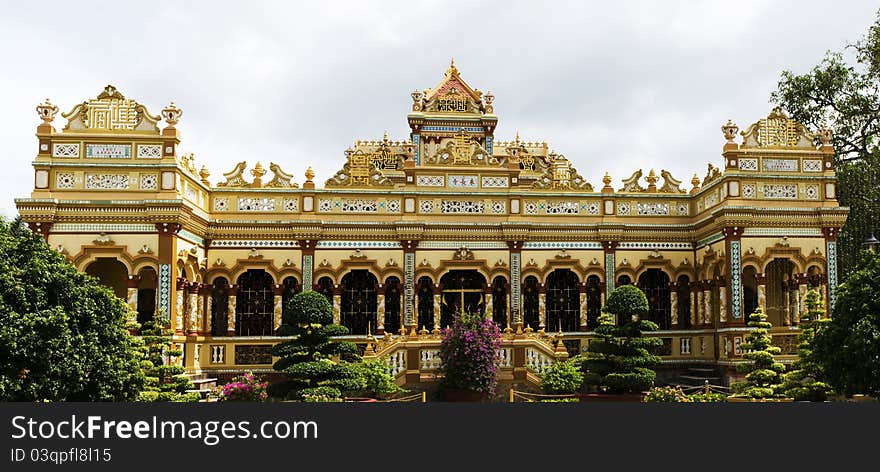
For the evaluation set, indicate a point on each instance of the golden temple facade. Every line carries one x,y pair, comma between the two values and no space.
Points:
408,231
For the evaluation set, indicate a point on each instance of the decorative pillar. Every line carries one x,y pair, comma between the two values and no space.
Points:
831,269
209,304
733,246
786,307
707,302
542,307
409,285
307,247
489,312
200,309
167,254
700,305
762,291
610,265
515,305
722,302
337,304
794,294
132,296
230,310
179,305
694,304
276,311
673,304
380,309
192,321
582,288
437,300
802,293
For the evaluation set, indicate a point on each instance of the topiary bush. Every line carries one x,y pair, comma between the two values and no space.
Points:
562,377
165,382
804,382
764,373
377,379
625,302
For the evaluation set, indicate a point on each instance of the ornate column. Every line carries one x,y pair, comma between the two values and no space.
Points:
601,293
694,304
610,265
489,311
307,247
733,246
707,302
410,319
337,304
515,305
132,295
802,293
277,307
192,321
200,309
542,307
673,304
437,299
167,254
700,304
209,304
762,291
786,291
831,269
232,292
795,300
722,300
380,309
177,320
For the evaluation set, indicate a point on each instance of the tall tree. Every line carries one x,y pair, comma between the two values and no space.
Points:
63,335
843,92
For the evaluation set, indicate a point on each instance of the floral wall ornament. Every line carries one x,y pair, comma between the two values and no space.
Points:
171,114
145,250
324,263
234,178
655,254
288,263
357,255
47,111
255,254
562,254
463,254
219,262
61,249
103,240
391,263
730,130
424,263
532,262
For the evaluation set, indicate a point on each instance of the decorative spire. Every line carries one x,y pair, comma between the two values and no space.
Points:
47,111
825,134
258,172
204,174
607,181
696,183
310,174
652,181
171,114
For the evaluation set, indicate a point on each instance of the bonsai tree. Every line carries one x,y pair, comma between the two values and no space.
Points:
620,359
846,347
165,380
804,382
468,354
562,377
315,365
763,373
63,335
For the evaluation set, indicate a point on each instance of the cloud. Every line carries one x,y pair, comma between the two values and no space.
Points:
613,87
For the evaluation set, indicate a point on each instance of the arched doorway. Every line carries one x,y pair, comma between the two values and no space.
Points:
255,304
289,287
426,303
683,295
655,284
594,301
357,310
325,287
624,280
220,307
146,297
750,291
563,301
110,273
461,286
779,274
392,305
499,301
531,305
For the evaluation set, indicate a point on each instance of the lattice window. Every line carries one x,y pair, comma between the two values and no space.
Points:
149,151
357,308
531,304
682,209
291,204
149,181
653,208
655,284
811,165
256,204
325,205
499,301
255,304
219,307
748,164
65,150
811,192
781,191
462,206
563,301
562,208
593,208
107,181
498,207
392,305
622,208
64,180
749,191
530,208
429,180
393,206
359,206
426,303
494,182
221,204
426,206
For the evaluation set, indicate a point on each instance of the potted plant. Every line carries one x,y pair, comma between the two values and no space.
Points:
468,356
763,374
619,360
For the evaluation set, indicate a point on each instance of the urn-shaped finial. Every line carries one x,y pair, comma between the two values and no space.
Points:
310,174
47,111
171,114
729,131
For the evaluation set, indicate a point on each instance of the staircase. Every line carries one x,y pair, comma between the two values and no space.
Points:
202,384
699,376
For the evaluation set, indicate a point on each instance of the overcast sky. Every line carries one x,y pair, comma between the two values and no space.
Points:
613,86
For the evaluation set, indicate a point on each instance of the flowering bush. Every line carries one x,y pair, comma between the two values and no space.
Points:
244,388
666,395
468,354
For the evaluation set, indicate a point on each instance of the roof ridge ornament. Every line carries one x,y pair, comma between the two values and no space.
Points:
778,130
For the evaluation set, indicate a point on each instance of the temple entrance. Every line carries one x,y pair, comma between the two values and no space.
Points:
112,274
359,301
461,288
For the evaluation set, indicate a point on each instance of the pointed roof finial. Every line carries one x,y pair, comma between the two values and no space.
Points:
452,69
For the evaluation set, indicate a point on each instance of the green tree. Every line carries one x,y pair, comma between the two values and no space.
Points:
166,382
763,373
843,92
63,336
804,382
562,377
315,364
847,348
620,358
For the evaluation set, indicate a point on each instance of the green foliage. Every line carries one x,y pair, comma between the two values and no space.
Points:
377,378
804,382
315,365
63,336
560,400
166,382
562,377
846,349
627,301
620,359
710,397
469,353
666,395
844,94
763,374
